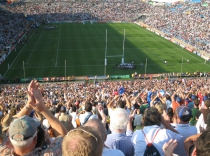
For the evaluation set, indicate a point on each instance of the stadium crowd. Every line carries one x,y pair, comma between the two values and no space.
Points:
188,22
108,118
105,118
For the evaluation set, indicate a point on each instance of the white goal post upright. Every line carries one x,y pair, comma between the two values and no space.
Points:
105,59
123,47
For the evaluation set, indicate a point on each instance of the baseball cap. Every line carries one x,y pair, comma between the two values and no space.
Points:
178,99
184,111
193,97
23,128
63,109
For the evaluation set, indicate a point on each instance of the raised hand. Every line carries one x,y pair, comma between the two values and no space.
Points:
33,85
168,148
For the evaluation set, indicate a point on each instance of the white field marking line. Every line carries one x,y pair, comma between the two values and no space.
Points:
150,51
52,38
34,48
17,55
43,67
92,49
188,53
58,47
61,66
176,48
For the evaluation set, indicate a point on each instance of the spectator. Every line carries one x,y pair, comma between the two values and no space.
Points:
65,119
194,112
73,115
183,115
151,121
82,141
88,114
24,138
201,123
99,126
118,139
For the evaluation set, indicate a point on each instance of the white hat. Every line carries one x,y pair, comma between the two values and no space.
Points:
46,124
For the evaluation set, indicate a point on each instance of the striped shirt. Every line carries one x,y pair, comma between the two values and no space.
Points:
121,141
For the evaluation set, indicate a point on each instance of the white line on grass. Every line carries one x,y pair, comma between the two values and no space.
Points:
43,67
149,50
188,53
92,49
17,56
34,48
58,47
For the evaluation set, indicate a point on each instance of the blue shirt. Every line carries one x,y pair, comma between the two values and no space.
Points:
120,141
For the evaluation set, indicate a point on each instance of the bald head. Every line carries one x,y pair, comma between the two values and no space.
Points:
99,126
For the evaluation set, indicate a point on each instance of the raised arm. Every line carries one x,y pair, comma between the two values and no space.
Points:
40,107
112,101
28,108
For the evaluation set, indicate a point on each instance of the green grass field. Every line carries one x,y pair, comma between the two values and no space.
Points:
83,48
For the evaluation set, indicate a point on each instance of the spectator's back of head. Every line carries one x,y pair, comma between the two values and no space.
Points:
207,103
63,109
88,107
196,102
151,117
119,119
160,107
84,141
121,104
99,126
74,109
184,113
202,144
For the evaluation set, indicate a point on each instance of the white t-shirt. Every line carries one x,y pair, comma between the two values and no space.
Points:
112,152
163,136
82,117
200,125
74,115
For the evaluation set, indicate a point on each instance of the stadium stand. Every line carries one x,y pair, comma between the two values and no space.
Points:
166,107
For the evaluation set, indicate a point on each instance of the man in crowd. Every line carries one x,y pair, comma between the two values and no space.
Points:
183,115
99,126
65,119
120,138
83,141
88,114
23,131
151,121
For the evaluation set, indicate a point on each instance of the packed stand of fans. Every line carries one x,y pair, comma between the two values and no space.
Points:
106,118
188,22
11,25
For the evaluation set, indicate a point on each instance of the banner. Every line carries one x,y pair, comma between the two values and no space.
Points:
119,76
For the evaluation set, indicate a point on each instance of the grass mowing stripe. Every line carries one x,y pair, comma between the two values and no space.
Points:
58,47
17,56
176,47
34,47
151,51
82,46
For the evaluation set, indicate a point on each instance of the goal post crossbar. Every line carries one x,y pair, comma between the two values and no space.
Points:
115,56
